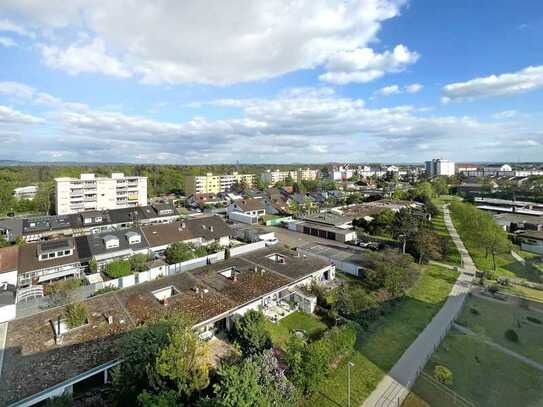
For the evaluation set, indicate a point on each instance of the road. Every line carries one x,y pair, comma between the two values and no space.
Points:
395,386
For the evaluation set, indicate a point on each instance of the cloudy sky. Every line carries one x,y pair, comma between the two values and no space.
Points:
271,81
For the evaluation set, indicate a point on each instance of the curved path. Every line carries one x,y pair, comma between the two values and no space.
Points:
395,386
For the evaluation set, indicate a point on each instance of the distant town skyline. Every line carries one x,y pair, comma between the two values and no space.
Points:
390,81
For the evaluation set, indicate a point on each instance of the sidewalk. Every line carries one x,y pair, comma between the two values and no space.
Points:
395,386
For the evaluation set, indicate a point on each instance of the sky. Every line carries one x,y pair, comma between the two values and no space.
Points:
270,81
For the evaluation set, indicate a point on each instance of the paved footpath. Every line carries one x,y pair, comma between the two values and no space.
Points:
395,386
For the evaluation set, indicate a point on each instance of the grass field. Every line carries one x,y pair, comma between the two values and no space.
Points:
507,266
308,323
495,318
483,375
453,257
382,345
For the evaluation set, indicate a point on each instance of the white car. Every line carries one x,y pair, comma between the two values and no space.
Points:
271,242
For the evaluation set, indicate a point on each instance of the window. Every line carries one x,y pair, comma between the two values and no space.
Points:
278,258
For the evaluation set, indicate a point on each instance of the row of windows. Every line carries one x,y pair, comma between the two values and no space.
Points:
53,255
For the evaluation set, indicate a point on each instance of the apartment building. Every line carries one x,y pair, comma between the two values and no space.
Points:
89,192
210,183
271,177
438,167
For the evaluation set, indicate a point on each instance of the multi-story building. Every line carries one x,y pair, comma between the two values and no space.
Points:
438,167
89,192
272,177
28,192
209,183
307,174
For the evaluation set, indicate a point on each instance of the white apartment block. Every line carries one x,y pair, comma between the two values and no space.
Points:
213,184
28,192
438,167
301,174
89,192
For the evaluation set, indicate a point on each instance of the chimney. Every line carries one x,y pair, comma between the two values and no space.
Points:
235,276
110,319
166,301
202,294
211,228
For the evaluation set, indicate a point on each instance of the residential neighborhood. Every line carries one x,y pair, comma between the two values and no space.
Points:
271,203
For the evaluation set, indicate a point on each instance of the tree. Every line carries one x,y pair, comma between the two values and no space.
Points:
139,350
250,332
93,265
440,186
138,262
259,184
179,252
164,363
404,225
183,362
427,245
256,381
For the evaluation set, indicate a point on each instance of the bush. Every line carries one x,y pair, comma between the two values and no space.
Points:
474,311
443,375
119,268
250,332
64,400
104,291
137,262
511,335
76,314
179,252
63,286
534,320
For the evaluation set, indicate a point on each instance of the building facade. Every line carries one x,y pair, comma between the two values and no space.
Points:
209,183
99,193
439,167
28,192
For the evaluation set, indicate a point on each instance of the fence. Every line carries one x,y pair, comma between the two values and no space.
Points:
35,305
437,394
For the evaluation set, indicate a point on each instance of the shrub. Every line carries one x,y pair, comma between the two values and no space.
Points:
534,320
250,332
63,286
137,262
104,291
511,335
443,375
76,314
179,252
474,311
119,268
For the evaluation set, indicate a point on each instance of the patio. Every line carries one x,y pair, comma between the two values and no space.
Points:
276,311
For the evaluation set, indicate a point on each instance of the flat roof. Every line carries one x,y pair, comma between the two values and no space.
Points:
340,254
8,258
327,218
34,362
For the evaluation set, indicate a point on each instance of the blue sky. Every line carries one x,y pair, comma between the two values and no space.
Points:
271,81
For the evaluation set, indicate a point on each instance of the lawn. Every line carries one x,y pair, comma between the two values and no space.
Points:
309,323
453,257
382,345
525,292
495,318
507,266
483,375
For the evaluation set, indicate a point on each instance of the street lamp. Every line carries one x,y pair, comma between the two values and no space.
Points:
349,365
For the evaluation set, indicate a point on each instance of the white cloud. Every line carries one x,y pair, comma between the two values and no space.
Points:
364,65
7,42
507,114
11,116
77,58
395,89
413,88
17,89
389,90
213,41
525,80
10,26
